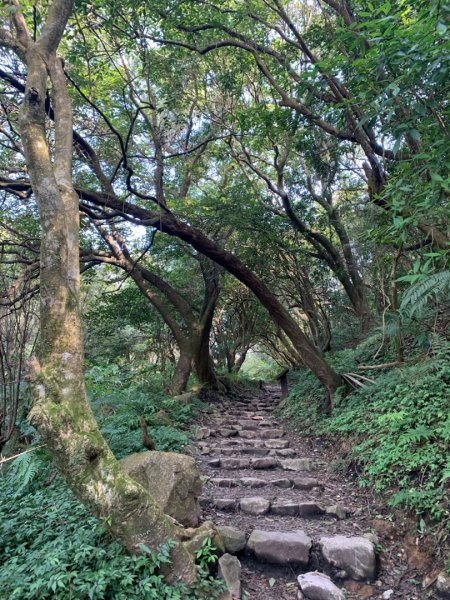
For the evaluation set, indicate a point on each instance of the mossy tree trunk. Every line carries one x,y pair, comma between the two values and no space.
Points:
61,412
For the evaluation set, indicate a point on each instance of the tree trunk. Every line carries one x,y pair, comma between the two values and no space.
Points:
182,371
204,366
61,412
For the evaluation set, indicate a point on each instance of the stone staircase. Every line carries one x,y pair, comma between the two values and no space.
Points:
273,510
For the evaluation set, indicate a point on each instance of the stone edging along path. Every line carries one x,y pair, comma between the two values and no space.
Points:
296,535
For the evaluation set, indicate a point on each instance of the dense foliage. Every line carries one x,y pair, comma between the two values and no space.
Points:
50,547
394,432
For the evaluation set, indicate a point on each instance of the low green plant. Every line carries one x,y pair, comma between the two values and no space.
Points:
398,427
51,548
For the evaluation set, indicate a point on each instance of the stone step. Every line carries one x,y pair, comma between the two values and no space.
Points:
297,483
248,450
263,463
272,444
258,505
250,424
354,557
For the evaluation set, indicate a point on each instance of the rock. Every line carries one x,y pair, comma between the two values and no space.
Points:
214,462
227,433
233,538
282,483
255,505
338,511
387,595
203,433
443,585
318,586
196,538
276,444
305,483
235,463
285,508
184,398
355,555
230,572
252,482
296,464
225,504
309,509
267,434
226,483
265,463
284,452
281,548
172,479
248,424
248,434
162,418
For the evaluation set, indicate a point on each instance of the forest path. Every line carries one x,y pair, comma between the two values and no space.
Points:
275,486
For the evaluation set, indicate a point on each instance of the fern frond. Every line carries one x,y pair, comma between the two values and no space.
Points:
23,470
418,295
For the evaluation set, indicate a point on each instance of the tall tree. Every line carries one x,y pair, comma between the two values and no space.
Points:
61,412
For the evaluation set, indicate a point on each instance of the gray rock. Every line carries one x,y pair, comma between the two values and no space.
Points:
284,452
225,504
235,463
387,595
252,482
271,433
338,511
265,463
233,538
305,483
296,464
226,483
225,451
443,585
172,479
255,505
248,434
227,433
285,508
214,462
282,483
355,555
248,424
230,572
280,547
276,444
203,433
318,586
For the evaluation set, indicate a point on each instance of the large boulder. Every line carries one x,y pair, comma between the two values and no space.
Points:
354,555
172,479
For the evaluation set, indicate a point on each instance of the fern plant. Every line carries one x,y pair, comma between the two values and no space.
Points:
23,470
434,285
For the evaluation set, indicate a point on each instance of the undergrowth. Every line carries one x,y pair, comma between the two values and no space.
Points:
398,428
51,547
